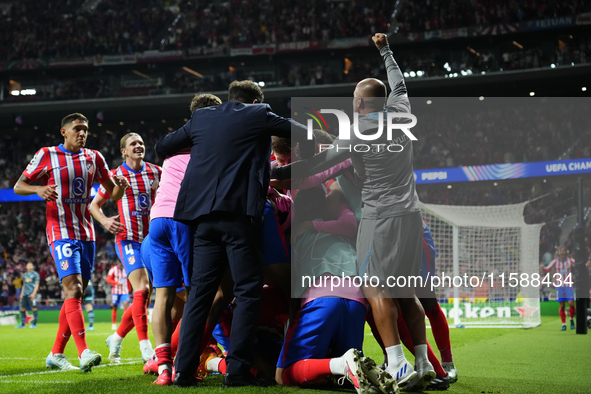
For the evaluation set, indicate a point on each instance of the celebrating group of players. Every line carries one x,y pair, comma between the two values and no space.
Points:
299,341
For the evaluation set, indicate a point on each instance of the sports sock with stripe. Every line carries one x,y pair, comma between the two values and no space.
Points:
126,324
440,330
63,333
562,314
140,313
76,323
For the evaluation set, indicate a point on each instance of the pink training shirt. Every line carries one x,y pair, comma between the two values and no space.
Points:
173,172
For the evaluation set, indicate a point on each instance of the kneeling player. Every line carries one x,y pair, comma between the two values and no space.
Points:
332,318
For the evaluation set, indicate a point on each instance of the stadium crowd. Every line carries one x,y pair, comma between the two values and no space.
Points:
32,29
44,29
428,63
440,14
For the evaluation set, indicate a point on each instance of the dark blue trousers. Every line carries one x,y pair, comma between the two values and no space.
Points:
222,239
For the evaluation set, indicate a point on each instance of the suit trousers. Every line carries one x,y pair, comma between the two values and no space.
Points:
222,239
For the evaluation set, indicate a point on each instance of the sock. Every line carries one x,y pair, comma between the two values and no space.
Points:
76,322
175,324
117,338
63,333
91,317
420,353
206,337
146,343
562,314
114,316
307,372
163,355
337,366
126,324
23,317
430,354
395,356
440,330
222,366
162,367
214,364
571,312
35,317
140,313
404,333
174,340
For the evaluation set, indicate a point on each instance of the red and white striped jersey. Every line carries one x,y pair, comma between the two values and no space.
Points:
564,268
134,207
68,217
116,274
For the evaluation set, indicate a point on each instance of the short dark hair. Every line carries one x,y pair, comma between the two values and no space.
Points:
204,100
245,92
72,117
281,145
309,204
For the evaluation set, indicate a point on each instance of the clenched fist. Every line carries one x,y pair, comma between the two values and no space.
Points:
380,39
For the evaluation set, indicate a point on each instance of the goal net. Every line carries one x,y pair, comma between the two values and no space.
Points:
496,255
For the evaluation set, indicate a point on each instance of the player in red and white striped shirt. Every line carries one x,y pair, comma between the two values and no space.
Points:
66,173
117,278
134,213
563,266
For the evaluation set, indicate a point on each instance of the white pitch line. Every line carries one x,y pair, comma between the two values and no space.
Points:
37,381
57,371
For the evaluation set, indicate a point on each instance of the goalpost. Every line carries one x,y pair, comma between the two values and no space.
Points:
496,255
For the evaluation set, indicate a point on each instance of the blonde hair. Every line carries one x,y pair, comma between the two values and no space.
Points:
123,142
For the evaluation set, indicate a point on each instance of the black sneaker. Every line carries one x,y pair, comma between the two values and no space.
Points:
439,383
185,380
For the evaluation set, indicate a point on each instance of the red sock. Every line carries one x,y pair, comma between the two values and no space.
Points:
114,316
206,337
222,366
175,324
140,313
126,323
571,311
562,314
174,340
405,337
440,330
76,322
163,354
306,372
374,330
63,333
407,341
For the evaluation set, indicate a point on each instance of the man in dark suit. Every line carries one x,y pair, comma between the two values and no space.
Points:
222,197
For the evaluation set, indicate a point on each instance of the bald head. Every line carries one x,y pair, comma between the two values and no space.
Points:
370,95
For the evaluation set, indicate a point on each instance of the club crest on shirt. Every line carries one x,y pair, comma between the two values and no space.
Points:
143,201
64,264
90,168
131,260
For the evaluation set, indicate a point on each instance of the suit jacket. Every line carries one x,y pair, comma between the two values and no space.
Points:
229,170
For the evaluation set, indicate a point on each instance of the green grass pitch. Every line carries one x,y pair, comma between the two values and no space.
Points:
541,360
